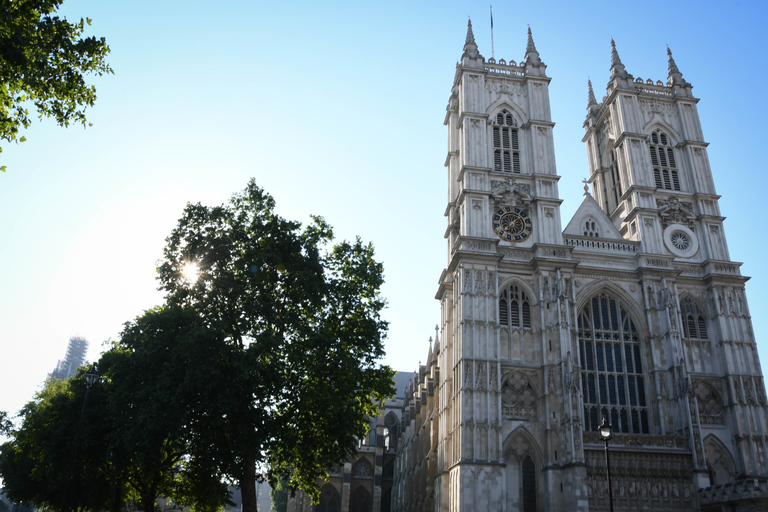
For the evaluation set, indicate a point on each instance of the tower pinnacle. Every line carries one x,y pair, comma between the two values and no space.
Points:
531,47
470,34
531,55
617,68
674,76
590,95
470,48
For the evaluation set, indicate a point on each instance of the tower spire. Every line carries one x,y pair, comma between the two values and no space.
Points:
470,34
617,68
674,76
531,55
470,47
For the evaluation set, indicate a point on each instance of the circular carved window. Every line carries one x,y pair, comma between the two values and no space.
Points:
680,241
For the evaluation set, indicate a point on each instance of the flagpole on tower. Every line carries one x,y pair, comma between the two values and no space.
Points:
493,56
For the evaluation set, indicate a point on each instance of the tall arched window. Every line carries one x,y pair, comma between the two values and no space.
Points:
506,148
694,322
663,160
529,485
612,377
514,307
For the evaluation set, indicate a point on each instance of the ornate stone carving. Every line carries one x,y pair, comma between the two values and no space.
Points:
468,375
749,395
492,377
467,280
672,211
711,410
641,481
362,469
519,446
518,398
512,254
508,192
480,380
569,377
480,286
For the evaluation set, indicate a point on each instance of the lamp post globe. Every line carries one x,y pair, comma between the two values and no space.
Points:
606,432
91,377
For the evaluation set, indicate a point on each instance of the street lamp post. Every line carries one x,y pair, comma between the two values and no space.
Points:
91,377
606,434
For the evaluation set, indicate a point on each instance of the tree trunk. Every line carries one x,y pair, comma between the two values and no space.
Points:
248,486
117,499
148,504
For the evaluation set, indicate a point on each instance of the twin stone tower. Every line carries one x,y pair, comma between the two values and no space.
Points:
634,313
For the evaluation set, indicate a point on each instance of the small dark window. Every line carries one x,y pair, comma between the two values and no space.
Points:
529,485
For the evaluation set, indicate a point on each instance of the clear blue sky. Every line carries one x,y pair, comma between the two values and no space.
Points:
336,109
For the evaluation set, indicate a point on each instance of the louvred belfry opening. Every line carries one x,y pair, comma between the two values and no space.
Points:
506,148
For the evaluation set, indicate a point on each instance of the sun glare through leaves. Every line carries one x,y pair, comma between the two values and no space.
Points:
191,272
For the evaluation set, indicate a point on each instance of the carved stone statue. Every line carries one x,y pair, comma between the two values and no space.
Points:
672,211
510,193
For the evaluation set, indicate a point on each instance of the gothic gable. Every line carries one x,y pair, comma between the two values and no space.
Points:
590,221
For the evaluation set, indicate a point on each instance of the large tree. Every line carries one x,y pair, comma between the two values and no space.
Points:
43,63
299,373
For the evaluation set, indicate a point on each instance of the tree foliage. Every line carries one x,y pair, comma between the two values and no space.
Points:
147,373
6,425
133,446
279,496
43,63
303,337
37,465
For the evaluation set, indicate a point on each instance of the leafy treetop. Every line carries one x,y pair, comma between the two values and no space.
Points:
43,60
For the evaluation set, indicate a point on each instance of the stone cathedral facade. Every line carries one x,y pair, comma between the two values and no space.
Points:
633,312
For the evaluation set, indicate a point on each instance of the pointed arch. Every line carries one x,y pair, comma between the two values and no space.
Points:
503,104
330,499
360,500
391,431
657,124
523,464
520,443
720,464
595,287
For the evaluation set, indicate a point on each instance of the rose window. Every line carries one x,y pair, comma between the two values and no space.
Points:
680,240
